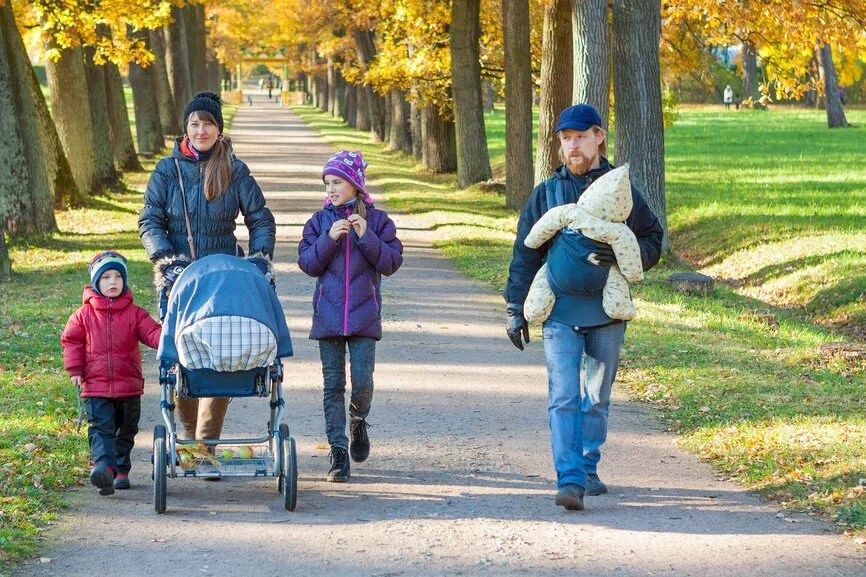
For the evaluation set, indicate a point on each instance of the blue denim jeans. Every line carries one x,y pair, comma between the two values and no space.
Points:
578,415
113,426
362,359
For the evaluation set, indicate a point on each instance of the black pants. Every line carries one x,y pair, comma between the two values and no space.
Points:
113,426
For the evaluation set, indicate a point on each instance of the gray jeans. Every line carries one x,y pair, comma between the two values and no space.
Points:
362,359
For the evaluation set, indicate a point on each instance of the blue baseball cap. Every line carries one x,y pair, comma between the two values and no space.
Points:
578,117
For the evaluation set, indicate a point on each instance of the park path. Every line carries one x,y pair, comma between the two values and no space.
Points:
459,481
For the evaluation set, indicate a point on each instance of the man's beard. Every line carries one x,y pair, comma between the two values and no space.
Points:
580,164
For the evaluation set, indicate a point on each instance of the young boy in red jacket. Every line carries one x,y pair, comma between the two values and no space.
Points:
100,352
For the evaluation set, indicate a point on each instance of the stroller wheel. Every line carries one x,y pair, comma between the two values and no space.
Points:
160,460
289,469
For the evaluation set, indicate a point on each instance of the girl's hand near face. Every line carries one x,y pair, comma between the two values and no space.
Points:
338,229
359,224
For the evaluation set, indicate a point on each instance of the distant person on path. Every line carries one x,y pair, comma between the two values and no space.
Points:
202,185
728,97
100,353
270,89
348,246
578,335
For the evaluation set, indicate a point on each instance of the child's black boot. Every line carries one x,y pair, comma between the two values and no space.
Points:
339,472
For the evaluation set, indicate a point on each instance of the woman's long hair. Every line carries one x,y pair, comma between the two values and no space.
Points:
218,169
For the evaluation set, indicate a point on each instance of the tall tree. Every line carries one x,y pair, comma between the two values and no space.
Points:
169,118
518,103
177,60
439,150
473,160
71,111
751,91
119,129
95,74
147,128
833,102
400,135
638,100
196,41
375,104
556,84
591,48
27,204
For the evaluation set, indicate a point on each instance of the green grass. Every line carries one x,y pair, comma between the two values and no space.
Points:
773,201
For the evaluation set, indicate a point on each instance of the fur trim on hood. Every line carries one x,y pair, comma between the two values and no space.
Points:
160,266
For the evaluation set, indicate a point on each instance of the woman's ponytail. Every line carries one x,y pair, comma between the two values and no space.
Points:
218,170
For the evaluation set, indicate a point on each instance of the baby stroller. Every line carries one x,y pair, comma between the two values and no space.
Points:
224,335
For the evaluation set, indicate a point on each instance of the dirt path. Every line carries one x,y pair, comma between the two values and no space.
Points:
459,481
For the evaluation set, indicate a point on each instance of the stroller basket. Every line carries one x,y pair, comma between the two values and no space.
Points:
210,383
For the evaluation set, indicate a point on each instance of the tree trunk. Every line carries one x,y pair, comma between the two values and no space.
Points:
322,92
177,61
196,42
835,110
487,88
417,141
214,74
47,170
119,130
375,103
362,116
518,102
556,84
332,86
169,119
95,74
14,173
147,128
473,160
400,135
439,147
591,61
340,96
638,100
351,110
71,111
750,75
5,261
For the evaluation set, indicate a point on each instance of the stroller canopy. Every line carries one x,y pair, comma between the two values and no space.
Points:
223,315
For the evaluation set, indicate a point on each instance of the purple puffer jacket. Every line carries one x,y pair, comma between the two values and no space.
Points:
353,308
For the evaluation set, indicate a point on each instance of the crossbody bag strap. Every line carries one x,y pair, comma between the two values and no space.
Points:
185,210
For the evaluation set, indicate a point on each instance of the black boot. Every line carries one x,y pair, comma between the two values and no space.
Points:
359,448
339,472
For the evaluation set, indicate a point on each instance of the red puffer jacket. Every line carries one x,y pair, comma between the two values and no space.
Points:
100,344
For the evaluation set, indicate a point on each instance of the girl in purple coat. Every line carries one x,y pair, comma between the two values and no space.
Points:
348,246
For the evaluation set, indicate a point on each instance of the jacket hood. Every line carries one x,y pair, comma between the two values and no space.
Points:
100,302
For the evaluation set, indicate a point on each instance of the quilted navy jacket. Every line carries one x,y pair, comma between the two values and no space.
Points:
161,223
347,300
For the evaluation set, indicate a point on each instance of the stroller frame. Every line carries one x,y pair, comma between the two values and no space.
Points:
278,460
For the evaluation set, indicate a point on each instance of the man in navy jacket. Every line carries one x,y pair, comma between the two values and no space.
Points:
578,334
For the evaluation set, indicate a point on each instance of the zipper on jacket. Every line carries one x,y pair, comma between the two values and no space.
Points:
108,350
346,302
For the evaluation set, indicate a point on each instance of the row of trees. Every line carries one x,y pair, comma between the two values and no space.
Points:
53,160
415,73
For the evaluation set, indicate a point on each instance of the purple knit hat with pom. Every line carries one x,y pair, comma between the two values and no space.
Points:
348,164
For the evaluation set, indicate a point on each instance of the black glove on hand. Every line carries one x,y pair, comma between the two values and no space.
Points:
517,329
604,254
172,270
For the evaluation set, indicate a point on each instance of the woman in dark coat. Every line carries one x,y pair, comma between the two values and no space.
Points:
216,186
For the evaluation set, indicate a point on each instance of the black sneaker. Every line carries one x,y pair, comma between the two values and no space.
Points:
121,481
594,486
359,448
570,497
103,478
339,472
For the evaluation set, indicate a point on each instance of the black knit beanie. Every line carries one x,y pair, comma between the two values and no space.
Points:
208,102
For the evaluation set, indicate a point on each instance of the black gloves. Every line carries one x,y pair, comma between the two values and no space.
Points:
517,327
604,254
172,270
